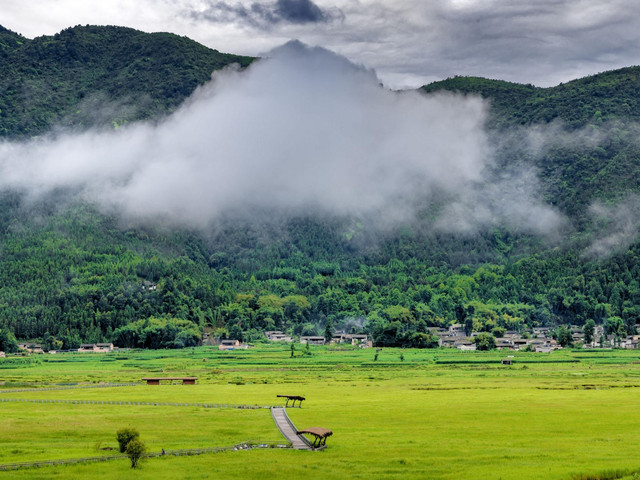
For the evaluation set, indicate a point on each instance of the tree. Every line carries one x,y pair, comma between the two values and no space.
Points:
564,337
589,330
328,330
485,341
50,342
498,332
135,449
125,436
468,325
236,333
615,325
8,342
422,340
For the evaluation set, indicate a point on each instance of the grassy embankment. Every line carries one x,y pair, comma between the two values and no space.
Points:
437,414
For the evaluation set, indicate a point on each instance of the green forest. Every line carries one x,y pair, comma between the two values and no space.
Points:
70,274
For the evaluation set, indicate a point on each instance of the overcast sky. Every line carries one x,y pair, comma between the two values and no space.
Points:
407,42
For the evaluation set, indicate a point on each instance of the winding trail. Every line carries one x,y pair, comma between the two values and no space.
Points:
288,429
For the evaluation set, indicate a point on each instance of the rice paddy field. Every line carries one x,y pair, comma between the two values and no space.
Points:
432,414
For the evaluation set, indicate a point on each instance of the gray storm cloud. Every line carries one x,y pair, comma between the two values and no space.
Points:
301,131
265,15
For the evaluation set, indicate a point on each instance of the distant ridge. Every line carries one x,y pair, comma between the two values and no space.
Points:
605,96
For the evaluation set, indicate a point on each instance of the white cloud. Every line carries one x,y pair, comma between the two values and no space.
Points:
616,226
302,131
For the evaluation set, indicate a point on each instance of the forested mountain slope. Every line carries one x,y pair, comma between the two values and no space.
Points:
96,76
71,274
588,127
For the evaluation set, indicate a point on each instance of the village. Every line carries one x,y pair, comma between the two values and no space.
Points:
538,339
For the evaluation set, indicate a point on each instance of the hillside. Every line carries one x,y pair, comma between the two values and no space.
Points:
71,274
588,127
96,76
606,96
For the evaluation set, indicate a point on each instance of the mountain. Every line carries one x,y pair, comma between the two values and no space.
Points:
70,273
588,126
606,96
95,76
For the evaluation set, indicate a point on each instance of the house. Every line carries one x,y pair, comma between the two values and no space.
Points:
31,347
520,343
2,354
103,347
577,336
465,345
147,285
361,340
457,329
541,331
447,340
630,342
438,331
87,348
502,344
231,344
544,349
277,336
340,337
354,339
207,339
312,340
537,342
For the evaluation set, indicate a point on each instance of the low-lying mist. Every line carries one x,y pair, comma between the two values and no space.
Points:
302,130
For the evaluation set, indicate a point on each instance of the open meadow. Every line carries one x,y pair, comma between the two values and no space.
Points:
436,414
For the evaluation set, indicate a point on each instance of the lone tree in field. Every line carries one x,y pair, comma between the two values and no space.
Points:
125,436
135,450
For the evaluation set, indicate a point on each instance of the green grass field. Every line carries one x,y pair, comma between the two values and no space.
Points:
439,414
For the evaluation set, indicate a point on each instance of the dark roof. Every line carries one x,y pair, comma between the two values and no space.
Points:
317,431
170,378
292,397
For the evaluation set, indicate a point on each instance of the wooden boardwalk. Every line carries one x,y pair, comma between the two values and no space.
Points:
288,429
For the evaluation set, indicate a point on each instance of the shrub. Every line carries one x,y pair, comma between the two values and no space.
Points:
125,436
135,450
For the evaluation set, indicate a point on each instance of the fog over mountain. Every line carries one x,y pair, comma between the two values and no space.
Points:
302,130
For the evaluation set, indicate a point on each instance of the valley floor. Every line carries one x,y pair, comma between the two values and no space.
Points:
437,414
